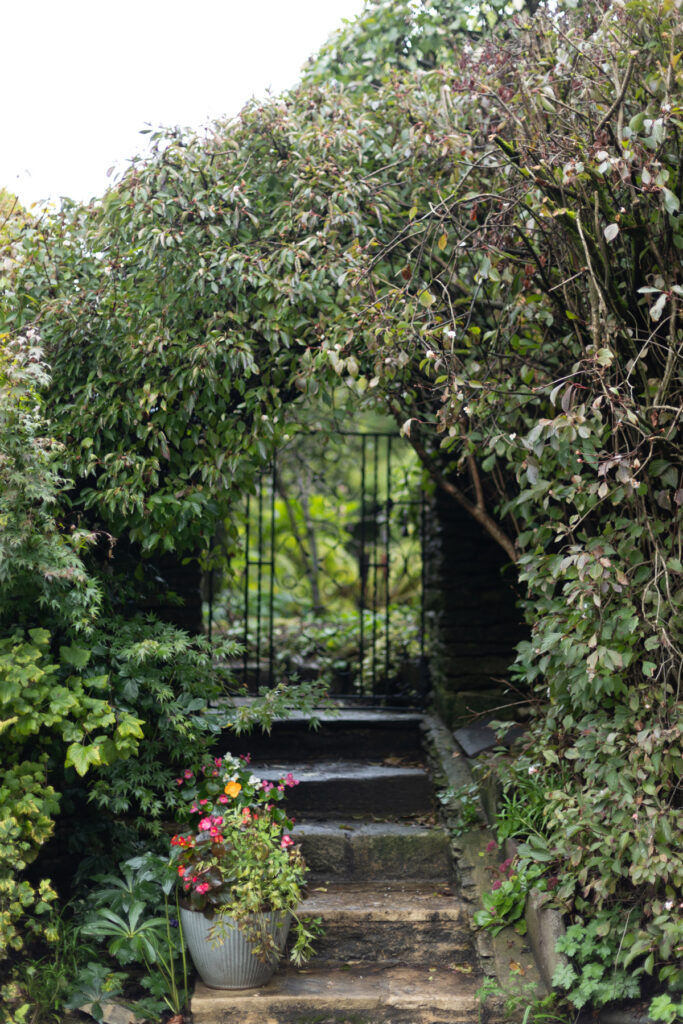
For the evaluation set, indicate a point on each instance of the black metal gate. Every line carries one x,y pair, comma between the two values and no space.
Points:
332,573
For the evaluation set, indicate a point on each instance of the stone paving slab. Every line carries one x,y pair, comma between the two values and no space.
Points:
369,850
404,923
365,992
479,736
341,787
351,733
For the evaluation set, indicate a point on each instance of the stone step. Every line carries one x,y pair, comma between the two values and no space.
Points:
375,994
394,922
350,734
365,851
346,788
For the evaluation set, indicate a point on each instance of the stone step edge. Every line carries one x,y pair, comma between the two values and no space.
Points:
385,901
364,987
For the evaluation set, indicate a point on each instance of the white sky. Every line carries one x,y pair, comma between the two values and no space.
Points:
81,78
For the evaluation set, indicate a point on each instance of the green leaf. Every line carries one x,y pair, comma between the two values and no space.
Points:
82,756
76,656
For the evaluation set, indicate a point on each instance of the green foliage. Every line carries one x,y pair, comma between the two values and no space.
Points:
45,981
44,699
477,226
505,904
40,567
308,698
601,978
509,322
520,812
126,913
27,808
462,803
97,985
170,680
664,1008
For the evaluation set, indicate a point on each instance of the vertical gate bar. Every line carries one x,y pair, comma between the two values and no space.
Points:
423,587
375,510
271,607
387,566
210,604
259,580
362,562
247,541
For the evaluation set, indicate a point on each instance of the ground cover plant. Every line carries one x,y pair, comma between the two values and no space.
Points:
468,216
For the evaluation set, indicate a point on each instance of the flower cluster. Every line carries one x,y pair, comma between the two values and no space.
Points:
238,849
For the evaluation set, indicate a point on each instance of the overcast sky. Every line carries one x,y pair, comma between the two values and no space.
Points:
81,78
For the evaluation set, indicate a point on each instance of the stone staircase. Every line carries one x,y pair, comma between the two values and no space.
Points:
397,946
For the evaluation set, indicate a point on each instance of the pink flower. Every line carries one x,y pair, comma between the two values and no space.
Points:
187,773
194,809
266,786
179,781
492,845
223,799
280,789
290,780
218,761
205,824
497,884
286,842
203,803
203,887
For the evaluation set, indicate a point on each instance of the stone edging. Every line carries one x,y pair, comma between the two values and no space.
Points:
506,957
535,952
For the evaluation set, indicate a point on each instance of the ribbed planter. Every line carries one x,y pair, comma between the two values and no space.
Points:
231,963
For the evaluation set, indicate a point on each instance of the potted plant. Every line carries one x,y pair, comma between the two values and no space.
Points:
240,873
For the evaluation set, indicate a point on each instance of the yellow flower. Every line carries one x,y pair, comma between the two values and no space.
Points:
232,788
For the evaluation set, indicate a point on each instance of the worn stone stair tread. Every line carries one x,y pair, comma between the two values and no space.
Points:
369,850
421,995
385,900
337,769
343,787
349,733
343,717
393,922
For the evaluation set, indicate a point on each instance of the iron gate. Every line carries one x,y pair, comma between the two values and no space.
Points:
332,573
